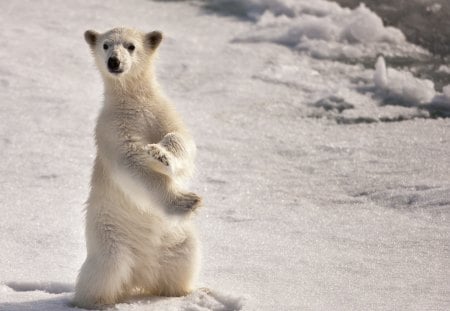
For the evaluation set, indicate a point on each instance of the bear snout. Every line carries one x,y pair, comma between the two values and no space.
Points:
113,64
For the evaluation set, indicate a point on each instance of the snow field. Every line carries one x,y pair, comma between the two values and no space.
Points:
315,196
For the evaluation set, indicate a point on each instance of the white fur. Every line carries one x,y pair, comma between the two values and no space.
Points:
133,245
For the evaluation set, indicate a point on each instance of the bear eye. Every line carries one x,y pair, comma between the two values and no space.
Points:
105,46
131,48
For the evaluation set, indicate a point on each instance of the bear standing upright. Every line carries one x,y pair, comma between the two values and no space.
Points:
139,236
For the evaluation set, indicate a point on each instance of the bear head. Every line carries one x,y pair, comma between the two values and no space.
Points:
122,52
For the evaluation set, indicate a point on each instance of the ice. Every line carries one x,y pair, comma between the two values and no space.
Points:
327,31
446,90
325,180
402,84
365,26
444,69
434,8
380,77
441,102
322,28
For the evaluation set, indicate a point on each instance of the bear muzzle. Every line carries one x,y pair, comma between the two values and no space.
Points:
114,65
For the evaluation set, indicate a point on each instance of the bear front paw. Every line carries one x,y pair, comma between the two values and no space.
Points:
158,154
186,202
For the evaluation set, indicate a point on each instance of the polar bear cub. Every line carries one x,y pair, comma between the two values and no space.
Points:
144,154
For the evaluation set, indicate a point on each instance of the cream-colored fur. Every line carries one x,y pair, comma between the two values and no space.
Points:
138,234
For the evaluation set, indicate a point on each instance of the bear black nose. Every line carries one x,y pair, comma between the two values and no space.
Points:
113,63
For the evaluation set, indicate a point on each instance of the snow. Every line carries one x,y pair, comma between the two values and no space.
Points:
446,90
444,69
380,76
403,84
434,8
325,172
322,29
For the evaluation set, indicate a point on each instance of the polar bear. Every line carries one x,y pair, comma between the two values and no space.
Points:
139,236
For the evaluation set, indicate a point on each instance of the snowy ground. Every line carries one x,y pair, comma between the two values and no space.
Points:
326,182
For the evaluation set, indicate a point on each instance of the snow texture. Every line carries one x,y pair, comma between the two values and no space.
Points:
316,195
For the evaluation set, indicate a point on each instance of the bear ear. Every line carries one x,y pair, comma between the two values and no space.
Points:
91,37
153,39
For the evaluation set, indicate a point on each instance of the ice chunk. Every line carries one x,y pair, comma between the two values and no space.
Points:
269,19
446,91
380,76
402,84
434,8
311,27
365,26
444,69
440,106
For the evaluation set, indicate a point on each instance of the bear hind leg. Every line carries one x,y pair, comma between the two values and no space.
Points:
179,268
102,281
